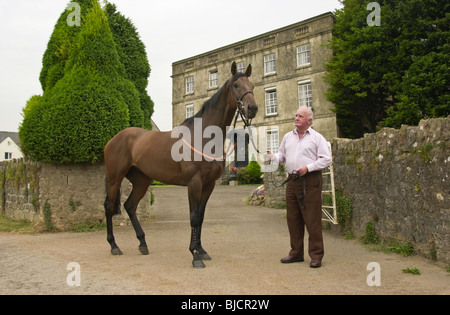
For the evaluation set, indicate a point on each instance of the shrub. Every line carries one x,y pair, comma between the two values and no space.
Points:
251,174
93,101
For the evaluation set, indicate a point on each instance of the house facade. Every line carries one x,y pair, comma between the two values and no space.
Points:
288,69
9,148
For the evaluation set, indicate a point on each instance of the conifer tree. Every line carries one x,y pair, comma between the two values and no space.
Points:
76,117
133,56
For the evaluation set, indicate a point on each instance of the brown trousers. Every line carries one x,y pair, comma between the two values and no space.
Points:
305,213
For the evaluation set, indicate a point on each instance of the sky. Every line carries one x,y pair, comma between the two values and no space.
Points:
171,30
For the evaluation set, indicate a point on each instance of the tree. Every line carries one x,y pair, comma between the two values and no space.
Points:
424,50
60,47
372,71
76,117
133,56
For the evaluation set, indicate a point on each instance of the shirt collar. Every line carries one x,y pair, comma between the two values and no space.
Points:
307,131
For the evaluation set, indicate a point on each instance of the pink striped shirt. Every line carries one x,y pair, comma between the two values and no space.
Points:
311,150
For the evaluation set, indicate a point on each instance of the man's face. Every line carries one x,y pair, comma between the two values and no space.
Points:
301,120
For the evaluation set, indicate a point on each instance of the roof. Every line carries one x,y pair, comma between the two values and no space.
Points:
13,135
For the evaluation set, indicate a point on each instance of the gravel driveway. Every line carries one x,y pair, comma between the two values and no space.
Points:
245,243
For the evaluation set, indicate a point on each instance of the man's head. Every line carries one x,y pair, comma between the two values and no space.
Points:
303,118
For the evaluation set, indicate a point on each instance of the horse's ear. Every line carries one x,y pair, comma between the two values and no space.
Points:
233,68
248,72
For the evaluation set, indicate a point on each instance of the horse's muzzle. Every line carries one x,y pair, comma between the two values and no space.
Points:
252,109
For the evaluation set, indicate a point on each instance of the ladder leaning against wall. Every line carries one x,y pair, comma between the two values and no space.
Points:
328,193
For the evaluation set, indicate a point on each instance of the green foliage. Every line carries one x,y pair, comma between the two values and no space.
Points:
61,46
344,211
85,108
392,74
413,271
133,56
251,174
371,236
404,249
47,212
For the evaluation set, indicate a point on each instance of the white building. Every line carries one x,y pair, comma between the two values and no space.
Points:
9,146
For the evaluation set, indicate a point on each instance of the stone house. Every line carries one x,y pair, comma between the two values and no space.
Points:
288,67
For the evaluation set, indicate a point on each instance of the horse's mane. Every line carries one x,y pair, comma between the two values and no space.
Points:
212,101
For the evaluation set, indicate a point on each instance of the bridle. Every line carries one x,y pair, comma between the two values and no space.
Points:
240,111
247,122
240,107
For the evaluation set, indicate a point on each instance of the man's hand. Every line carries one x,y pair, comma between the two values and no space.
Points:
302,170
270,156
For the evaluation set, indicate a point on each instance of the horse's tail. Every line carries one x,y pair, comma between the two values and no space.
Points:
117,204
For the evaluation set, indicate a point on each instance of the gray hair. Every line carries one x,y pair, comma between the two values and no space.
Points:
308,110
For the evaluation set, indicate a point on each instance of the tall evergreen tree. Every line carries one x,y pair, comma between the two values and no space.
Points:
376,75
133,55
60,46
75,118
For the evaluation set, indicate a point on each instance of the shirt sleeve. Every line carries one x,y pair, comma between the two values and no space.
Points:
323,156
281,155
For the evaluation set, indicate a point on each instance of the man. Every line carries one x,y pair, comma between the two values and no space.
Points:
306,153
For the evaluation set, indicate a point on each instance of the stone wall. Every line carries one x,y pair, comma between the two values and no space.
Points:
397,179
67,194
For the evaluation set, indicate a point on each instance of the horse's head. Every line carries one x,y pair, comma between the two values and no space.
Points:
242,89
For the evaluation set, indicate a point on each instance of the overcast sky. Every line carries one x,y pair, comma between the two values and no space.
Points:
171,30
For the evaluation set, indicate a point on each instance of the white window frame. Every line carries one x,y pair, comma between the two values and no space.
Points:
240,66
305,93
8,155
189,83
270,64
189,110
271,102
304,55
272,139
213,79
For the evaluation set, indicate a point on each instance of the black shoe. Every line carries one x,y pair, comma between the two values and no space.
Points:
290,259
315,264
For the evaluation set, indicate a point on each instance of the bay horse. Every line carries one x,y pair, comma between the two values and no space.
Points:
143,155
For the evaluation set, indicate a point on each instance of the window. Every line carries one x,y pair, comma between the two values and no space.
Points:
189,110
241,67
189,85
8,155
213,79
303,55
271,102
272,140
305,93
270,65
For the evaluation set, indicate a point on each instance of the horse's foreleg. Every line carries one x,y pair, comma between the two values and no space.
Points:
198,197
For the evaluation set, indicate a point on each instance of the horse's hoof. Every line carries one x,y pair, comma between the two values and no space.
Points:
143,250
116,251
205,256
198,264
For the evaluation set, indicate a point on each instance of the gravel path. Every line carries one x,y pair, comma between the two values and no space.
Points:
245,243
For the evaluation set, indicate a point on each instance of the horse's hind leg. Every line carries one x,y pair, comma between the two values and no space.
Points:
140,187
112,207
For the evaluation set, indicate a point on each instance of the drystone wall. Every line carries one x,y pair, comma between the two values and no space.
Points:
397,179
62,195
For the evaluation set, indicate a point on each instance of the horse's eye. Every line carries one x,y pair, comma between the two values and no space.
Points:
235,85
